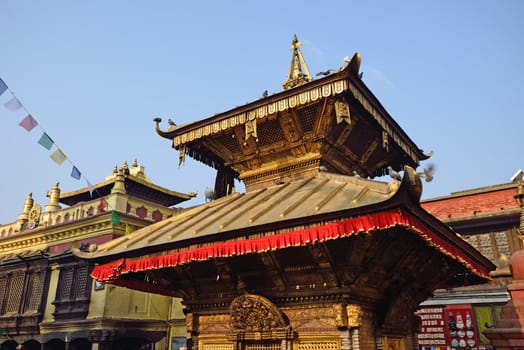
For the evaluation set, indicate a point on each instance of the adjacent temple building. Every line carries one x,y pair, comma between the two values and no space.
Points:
315,255
47,298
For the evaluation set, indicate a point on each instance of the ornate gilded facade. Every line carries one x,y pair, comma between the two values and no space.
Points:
48,299
315,255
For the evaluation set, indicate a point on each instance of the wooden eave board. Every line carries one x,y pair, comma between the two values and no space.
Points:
342,82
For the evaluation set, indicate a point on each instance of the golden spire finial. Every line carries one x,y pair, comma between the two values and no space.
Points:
298,72
54,198
28,203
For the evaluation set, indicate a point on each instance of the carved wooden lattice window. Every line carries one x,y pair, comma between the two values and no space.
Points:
22,291
35,289
3,290
15,287
65,283
72,295
81,279
493,244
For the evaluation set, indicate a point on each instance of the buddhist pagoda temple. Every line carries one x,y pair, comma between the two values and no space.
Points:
316,254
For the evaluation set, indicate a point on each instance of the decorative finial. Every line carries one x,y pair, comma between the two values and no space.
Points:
54,199
135,163
298,72
125,168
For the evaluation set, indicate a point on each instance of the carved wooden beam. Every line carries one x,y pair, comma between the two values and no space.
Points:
322,258
274,271
324,119
372,146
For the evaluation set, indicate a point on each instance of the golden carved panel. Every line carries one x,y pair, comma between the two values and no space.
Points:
354,315
255,313
319,345
214,324
216,346
301,317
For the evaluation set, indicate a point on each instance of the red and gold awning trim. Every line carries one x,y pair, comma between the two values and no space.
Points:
112,272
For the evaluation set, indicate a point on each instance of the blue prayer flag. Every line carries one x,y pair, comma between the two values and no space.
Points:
75,173
3,87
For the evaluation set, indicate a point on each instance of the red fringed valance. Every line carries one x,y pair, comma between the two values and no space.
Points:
111,272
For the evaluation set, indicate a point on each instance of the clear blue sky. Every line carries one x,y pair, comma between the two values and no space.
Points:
94,74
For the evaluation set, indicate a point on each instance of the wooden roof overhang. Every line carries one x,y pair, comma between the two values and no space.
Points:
334,121
327,234
134,186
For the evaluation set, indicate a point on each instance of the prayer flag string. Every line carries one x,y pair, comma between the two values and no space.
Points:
29,123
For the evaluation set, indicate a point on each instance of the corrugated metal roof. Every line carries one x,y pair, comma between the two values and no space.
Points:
318,195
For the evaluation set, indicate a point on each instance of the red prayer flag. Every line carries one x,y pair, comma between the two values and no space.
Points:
102,206
28,123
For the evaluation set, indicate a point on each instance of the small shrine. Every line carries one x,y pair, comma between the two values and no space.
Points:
316,254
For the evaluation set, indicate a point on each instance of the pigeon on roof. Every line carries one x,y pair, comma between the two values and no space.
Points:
394,174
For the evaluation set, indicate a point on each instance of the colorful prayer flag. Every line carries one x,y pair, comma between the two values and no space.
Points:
128,229
46,141
115,217
58,156
75,173
28,123
13,104
102,206
90,187
3,86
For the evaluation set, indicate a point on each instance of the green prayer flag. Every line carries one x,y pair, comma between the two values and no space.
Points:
46,141
115,217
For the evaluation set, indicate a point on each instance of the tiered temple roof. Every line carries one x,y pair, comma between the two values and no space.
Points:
306,155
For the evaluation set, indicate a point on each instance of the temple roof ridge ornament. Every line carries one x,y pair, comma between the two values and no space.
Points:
298,71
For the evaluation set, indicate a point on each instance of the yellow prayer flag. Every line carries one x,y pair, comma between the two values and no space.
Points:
58,156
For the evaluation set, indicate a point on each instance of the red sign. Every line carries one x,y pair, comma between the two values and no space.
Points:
433,332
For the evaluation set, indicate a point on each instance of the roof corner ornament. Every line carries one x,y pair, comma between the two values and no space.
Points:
342,112
182,155
251,129
298,72
170,127
354,64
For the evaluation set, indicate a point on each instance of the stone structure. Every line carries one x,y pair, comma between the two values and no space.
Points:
315,255
48,300
508,331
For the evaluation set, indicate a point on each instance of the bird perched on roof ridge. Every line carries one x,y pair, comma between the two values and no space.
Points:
394,174
325,73
209,194
171,124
